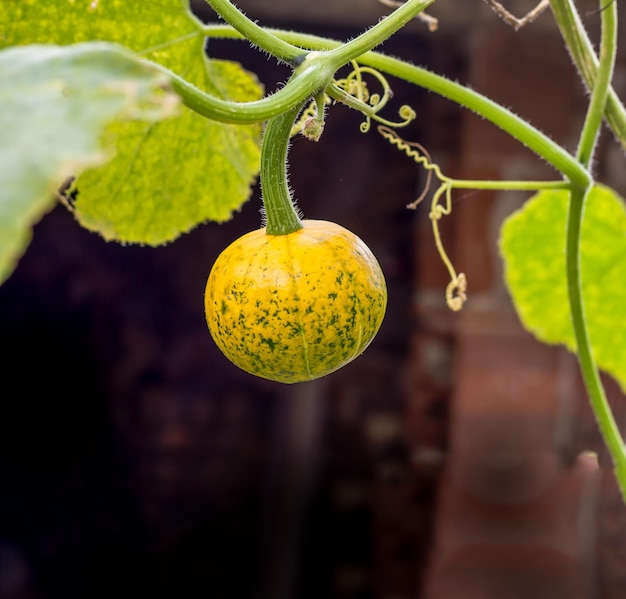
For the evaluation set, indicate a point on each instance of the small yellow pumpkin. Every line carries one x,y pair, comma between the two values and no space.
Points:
295,307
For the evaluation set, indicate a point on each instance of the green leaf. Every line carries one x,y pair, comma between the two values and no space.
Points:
533,246
56,101
161,31
167,177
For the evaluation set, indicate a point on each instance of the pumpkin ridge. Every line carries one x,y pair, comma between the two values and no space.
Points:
360,339
359,311
339,258
305,345
263,256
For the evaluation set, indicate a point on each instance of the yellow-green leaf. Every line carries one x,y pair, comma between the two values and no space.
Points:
166,177
169,176
56,101
533,246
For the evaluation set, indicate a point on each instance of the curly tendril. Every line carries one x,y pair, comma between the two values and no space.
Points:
456,291
353,91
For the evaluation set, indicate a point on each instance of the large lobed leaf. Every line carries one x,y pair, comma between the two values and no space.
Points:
166,177
55,103
533,246
169,176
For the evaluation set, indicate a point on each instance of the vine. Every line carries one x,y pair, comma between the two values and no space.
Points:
599,402
353,91
456,291
500,116
431,22
582,52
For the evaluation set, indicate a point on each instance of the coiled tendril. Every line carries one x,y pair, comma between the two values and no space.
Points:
354,91
456,291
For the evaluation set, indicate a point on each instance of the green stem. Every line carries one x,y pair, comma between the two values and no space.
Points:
377,34
515,126
282,217
583,54
566,16
282,49
260,37
600,92
597,396
368,110
306,84
508,185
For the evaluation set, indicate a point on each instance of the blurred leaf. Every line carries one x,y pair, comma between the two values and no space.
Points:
533,245
167,177
160,31
56,101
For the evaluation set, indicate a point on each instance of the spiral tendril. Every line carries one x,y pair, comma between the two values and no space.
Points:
353,91
456,291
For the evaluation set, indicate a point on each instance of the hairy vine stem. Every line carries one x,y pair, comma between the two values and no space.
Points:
340,55
313,70
377,34
601,88
280,212
583,55
306,84
262,38
514,125
597,396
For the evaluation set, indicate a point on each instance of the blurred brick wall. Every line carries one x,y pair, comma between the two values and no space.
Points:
519,512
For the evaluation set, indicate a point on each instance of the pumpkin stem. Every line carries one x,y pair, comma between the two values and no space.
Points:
280,210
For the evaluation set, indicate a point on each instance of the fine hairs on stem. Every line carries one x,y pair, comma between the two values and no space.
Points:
589,368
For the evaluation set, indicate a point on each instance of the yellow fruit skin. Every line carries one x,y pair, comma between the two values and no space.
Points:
295,307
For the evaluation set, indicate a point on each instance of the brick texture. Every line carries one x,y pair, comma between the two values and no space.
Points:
518,514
